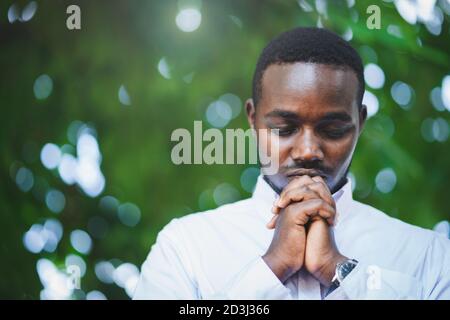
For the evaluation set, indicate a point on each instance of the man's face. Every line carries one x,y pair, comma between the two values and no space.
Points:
315,109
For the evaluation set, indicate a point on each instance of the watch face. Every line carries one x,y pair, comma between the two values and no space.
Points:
345,269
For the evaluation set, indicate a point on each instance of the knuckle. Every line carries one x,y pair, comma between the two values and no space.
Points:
290,194
320,185
305,188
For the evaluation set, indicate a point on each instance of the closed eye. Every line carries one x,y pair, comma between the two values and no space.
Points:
336,132
284,131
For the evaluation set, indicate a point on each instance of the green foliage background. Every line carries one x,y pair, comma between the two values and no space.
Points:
121,43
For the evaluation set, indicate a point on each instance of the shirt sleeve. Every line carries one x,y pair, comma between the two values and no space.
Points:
256,281
375,283
438,258
165,273
432,281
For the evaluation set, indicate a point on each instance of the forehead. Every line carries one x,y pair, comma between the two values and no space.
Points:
309,88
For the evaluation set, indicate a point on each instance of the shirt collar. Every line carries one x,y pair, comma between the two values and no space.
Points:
265,196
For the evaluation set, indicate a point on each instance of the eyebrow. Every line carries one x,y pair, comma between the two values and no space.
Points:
345,117
330,116
282,114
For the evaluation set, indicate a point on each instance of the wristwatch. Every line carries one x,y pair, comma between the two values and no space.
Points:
342,270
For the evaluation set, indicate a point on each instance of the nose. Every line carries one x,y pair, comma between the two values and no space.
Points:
307,147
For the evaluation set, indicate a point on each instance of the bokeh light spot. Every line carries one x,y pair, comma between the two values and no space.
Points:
446,92
385,180
67,169
55,200
234,102
219,114
248,178
188,20
225,193
124,97
95,295
29,11
436,99
374,76
440,130
109,204
33,239
50,156
13,13
43,87
164,68
127,276
129,214
54,281
371,102
104,271
75,260
24,179
81,241
402,94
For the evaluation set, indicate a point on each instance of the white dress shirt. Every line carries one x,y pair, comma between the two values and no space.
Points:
217,255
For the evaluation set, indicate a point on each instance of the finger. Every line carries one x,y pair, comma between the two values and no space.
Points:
319,179
323,191
303,211
271,224
294,184
315,183
298,182
295,195
328,213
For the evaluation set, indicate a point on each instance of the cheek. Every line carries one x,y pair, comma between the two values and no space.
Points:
269,143
339,153
285,147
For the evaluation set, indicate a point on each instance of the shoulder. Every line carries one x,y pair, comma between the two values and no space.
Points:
379,239
229,215
396,234
385,223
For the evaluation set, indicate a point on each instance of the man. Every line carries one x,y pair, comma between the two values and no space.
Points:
312,241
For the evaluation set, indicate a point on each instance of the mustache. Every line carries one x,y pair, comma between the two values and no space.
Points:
317,166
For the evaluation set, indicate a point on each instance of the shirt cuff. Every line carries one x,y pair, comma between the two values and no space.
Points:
373,282
257,282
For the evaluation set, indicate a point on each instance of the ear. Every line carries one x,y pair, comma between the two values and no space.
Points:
362,117
251,112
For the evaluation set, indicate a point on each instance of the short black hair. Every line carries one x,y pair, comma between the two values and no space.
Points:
313,45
